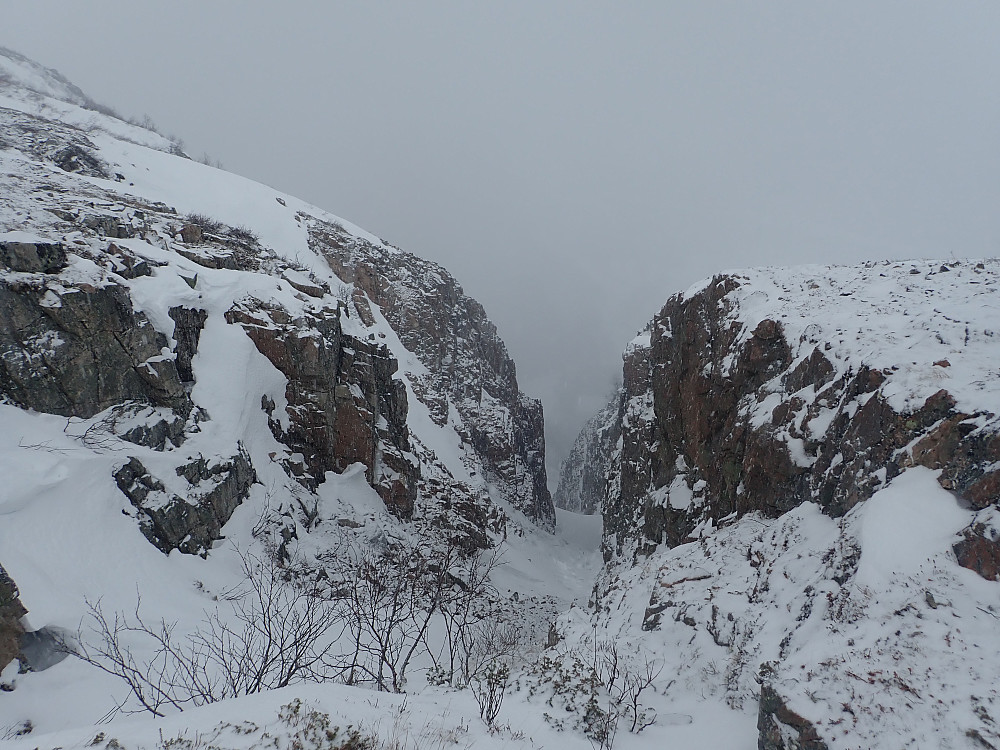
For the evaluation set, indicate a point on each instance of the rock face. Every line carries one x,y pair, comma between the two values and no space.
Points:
191,519
11,612
584,473
732,406
468,368
344,406
768,423
209,362
76,349
979,548
33,257
188,323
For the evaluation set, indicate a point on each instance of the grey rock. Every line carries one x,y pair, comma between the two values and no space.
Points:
584,473
81,351
33,257
191,523
76,158
188,323
467,360
43,648
191,234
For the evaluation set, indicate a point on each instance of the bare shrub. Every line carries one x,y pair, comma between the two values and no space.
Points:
356,616
207,223
601,687
489,687
392,599
279,631
475,633
244,234
299,727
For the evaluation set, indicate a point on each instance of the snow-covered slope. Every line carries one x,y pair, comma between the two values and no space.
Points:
801,511
194,366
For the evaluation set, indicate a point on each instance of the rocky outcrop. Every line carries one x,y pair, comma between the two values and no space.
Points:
780,728
584,473
76,349
755,408
344,406
188,323
11,612
33,257
725,414
467,362
107,297
979,548
191,518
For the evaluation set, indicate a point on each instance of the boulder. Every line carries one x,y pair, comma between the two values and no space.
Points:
192,521
33,257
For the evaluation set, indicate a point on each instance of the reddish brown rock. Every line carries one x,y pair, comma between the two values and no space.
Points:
344,406
979,551
684,417
780,728
468,364
11,612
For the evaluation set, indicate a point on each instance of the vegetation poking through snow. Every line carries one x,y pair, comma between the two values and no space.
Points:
596,688
362,619
299,726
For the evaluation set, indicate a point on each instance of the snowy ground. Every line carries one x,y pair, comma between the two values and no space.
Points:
896,316
866,624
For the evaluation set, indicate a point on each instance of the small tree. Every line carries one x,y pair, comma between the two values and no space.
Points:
489,687
391,600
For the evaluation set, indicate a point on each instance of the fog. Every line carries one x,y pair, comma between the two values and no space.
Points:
574,164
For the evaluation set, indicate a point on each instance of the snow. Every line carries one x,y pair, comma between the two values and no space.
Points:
580,530
872,628
891,319
905,525
19,236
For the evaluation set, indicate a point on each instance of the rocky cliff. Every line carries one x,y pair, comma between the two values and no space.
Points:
214,347
801,505
583,475
469,381
761,391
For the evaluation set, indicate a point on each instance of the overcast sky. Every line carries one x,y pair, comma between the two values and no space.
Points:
574,164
